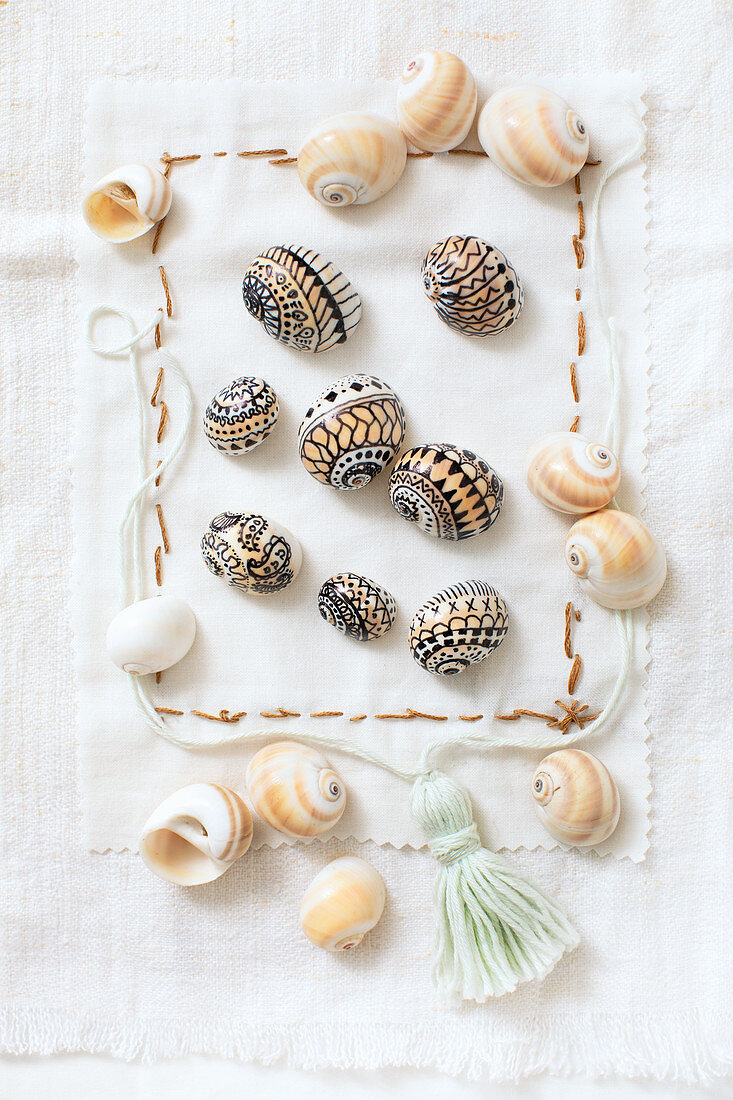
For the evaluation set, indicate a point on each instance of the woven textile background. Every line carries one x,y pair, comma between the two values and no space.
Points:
90,941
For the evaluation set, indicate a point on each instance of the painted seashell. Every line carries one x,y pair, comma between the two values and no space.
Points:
301,299
151,635
241,416
127,203
472,285
436,101
571,474
533,135
617,560
356,606
343,903
459,627
576,797
351,432
448,492
295,789
196,834
251,552
352,159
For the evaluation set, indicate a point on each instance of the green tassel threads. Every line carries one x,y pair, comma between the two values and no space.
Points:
494,928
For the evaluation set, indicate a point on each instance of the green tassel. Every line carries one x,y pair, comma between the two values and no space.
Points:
494,928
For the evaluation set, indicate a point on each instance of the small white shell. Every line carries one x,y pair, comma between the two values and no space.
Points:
617,559
343,903
196,834
151,635
352,159
295,789
576,797
532,135
127,203
436,101
571,474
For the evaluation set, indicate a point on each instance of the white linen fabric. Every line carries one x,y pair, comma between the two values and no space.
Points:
99,956
495,397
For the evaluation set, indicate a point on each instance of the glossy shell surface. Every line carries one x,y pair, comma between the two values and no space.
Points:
356,606
196,834
127,203
351,432
436,101
352,159
459,627
300,298
472,285
618,561
344,901
533,135
241,416
448,492
576,797
251,552
151,635
571,474
295,789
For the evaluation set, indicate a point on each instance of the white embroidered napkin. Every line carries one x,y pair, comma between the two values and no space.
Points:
495,397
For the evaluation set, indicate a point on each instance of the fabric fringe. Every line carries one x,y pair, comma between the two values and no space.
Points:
688,1046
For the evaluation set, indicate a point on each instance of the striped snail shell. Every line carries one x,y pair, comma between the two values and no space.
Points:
436,101
618,561
196,834
571,474
351,432
459,627
343,902
295,789
533,135
351,159
576,797
300,298
127,203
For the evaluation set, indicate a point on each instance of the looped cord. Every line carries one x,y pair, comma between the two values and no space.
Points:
447,849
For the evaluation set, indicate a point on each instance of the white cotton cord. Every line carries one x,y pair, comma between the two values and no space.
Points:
130,528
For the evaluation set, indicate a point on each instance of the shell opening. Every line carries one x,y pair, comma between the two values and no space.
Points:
575,126
412,69
347,943
114,213
330,786
176,859
543,788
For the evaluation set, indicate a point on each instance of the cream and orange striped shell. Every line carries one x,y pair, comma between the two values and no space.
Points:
533,135
295,789
127,203
343,903
618,561
571,474
576,797
436,101
352,159
196,834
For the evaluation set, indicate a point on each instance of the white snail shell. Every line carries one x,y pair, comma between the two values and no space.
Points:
436,101
352,159
576,797
151,635
196,834
571,474
533,135
295,789
343,903
619,562
127,203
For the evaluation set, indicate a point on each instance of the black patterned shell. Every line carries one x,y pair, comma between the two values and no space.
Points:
251,552
241,415
300,298
351,432
459,627
356,606
472,285
448,492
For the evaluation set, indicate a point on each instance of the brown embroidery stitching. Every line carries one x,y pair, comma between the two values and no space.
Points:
470,717
168,710
260,153
166,288
581,219
158,567
430,717
574,674
159,380
222,716
326,714
581,334
163,421
358,718
574,426
577,294
568,621
163,531
579,251
574,383
280,713
157,480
